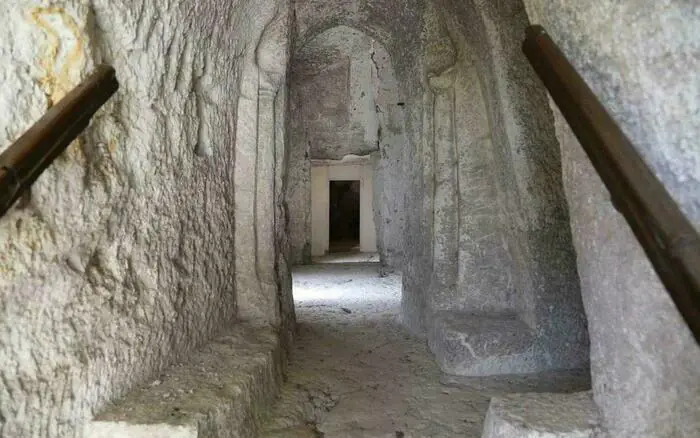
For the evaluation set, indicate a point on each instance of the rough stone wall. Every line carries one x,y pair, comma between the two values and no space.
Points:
388,162
641,59
126,256
437,54
468,216
498,240
334,73
283,243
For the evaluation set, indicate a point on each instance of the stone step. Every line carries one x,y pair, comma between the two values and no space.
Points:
467,344
542,415
222,391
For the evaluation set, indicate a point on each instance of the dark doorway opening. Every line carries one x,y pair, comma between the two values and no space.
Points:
344,216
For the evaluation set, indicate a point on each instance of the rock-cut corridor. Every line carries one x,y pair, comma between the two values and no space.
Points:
166,275
355,371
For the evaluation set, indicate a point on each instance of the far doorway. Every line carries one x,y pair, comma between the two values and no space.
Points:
344,216
342,211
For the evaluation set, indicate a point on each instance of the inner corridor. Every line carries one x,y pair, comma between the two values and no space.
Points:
354,371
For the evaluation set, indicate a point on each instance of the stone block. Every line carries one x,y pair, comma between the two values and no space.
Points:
221,391
542,416
482,345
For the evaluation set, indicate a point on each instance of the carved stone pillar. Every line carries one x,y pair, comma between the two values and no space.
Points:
256,275
446,189
265,201
248,292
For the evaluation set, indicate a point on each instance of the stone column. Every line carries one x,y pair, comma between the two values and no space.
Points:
428,159
255,176
320,197
446,208
282,242
248,290
368,231
265,200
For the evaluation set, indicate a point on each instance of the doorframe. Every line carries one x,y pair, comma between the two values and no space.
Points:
348,169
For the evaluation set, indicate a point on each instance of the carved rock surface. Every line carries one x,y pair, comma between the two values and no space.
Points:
542,415
493,238
641,59
123,259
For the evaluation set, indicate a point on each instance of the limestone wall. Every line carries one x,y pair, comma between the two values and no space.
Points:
486,231
334,74
128,254
494,228
641,59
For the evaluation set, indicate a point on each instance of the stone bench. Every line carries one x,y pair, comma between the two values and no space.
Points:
222,391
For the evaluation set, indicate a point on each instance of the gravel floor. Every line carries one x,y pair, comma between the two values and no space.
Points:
355,372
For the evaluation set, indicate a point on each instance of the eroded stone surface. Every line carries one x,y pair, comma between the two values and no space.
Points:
167,219
478,167
641,65
483,345
542,415
124,259
356,372
218,392
494,237
345,102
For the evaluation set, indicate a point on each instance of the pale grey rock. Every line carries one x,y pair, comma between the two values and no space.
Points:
337,102
483,345
478,161
130,253
360,374
345,101
182,207
640,59
219,391
495,232
542,415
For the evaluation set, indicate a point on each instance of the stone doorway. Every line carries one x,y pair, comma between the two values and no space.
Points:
344,216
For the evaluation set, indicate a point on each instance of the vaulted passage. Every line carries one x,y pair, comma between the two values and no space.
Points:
341,218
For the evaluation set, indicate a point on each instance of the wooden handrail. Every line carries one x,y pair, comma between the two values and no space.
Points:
667,236
26,159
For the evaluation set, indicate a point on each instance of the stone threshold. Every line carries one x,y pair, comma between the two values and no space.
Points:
222,391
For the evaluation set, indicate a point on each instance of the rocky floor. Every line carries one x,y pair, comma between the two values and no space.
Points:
355,372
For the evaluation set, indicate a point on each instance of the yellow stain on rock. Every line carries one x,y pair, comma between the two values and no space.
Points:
27,231
60,75
112,146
